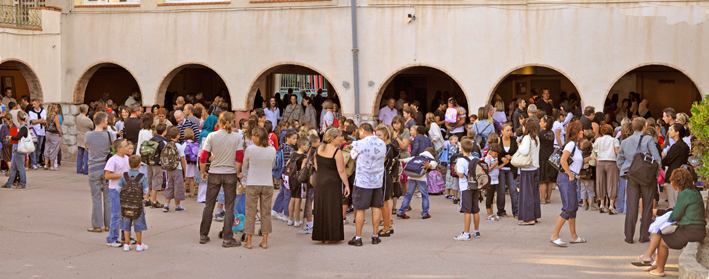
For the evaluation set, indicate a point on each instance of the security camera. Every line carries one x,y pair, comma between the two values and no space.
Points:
411,18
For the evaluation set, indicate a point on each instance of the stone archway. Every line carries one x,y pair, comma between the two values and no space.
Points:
33,84
80,89
262,80
210,83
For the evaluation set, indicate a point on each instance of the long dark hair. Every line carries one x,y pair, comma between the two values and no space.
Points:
573,132
531,129
399,119
260,132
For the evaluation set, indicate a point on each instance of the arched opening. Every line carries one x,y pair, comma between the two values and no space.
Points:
424,84
662,87
188,81
302,80
529,82
20,79
107,81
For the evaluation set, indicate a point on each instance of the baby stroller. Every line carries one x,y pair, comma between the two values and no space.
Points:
239,218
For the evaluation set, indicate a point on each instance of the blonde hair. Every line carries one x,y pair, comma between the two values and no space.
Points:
331,134
226,121
430,118
327,104
500,105
390,130
683,117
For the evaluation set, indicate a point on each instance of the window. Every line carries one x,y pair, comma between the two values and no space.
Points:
94,2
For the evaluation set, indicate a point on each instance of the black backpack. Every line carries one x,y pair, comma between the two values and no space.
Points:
132,197
292,166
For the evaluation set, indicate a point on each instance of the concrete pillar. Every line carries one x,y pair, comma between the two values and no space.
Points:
69,148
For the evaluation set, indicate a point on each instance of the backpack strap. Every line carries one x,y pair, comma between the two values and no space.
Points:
126,177
639,142
139,177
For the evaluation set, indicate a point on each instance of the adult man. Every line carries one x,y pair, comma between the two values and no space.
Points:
189,112
25,104
387,113
521,104
400,102
38,118
669,115
532,112
133,98
417,115
83,125
131,125
543,102
227,154
98,145
367,192
180,106
7,97
587,118
628,148
184,123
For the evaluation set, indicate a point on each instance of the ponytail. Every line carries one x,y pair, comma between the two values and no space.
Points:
226,121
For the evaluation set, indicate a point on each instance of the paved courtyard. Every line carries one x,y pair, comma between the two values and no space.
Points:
43,233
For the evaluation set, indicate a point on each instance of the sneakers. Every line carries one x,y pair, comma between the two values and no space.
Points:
166,208
275,215
203,239
345,222
157,204
290,222
477,234
375,240
116,244
403,216
356,242
126,247
455,201
603,209
418,195
219,216
147,203
593,207
426,217
297,224
448,197
306,230
585,206
179,209
231,243
462,237
612,211
141,247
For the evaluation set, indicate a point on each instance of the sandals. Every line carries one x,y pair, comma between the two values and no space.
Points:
650,268
578,240
262,246
94,230
654,273
106,229
640,262
558,242
526,223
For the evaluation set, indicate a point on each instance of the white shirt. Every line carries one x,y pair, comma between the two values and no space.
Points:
38,128
370,154
528,146
461,166
577,157
494,172
181,151
130,101
460,116
558,126
386,115
605,147
327,119
272,115
434,133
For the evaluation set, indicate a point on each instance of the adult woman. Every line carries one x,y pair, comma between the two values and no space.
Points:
293,110
688,213
547,173
310,115
677,155
567,185
328,117
409,117
599,119
18,160
434,132
53,138
124,113
558,127
258,162
643,110
402,139
483,126
457,128
508,173
273,113
154,109
683,118
529,207
161,117
499,113
6,145
607,173
328,182
207,128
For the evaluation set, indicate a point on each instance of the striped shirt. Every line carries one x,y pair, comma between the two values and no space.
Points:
188,124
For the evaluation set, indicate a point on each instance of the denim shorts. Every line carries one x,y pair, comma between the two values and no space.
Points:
569,198
139,224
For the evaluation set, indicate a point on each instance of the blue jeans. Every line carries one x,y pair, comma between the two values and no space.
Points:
423,188
37,151
114,232
282,201
507,179
139,225
82,161
622,195
17,165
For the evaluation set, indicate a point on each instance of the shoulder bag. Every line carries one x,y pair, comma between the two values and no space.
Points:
52,127
25,145
522,161
555,158
643,169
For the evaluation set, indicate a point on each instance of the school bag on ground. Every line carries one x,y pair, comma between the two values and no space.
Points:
436,183
149,152
279,165
415,168
191,152
170,157
131,197
478,174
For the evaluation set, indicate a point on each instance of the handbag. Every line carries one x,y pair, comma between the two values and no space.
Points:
32,134
643,169
25,145
522,161
555,158
52,127
669,229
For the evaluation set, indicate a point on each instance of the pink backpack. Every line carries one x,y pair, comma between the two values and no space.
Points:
436,183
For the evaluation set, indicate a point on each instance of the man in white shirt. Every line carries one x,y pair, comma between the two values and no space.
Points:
387,113
134,97
38,118
367,192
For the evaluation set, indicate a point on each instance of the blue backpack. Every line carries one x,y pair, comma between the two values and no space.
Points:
279,165
415,168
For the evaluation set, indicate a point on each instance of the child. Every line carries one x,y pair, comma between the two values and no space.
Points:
139,225
296,189
586,186
420,183
420,141
191,167
115,167
469,198
155,171
494,171
492,138
283,198
310,193
175,182
452,181
390,176
351,133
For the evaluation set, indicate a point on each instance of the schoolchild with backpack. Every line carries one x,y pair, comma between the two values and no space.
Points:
494,166
420,141
150,152
172,160
133,187
297,188
417,168
113,171
282,156
451,180
469,197
191,159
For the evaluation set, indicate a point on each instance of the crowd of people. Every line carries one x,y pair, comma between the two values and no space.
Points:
317,159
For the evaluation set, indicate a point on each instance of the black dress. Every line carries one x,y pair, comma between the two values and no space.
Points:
547,173
327,223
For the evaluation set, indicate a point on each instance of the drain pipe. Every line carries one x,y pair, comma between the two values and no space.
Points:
355,56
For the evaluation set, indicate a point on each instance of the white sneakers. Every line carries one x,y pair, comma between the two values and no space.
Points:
297,224
290,222
462,237
306,230
139,248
